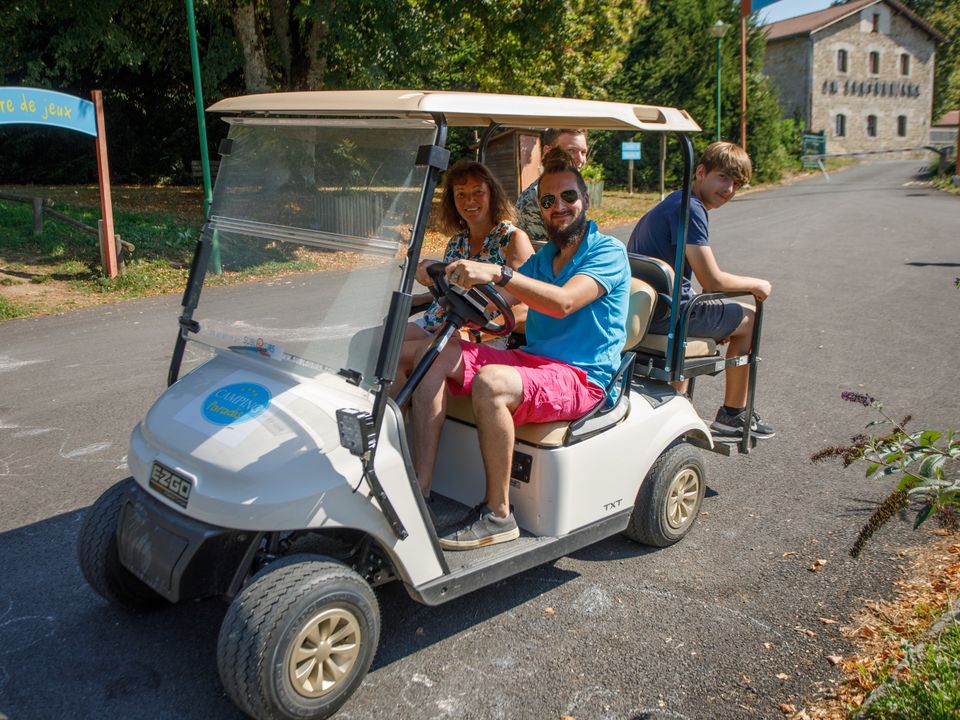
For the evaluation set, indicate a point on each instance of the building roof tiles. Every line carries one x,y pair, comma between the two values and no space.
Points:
816,21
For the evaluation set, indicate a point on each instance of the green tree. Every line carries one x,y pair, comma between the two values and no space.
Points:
550,47
944,15
671,60
569,48
138,54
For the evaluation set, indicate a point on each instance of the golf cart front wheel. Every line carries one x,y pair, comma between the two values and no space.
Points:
670,497
100,560
299,639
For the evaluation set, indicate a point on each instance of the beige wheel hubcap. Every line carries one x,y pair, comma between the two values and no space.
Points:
324,652
682,498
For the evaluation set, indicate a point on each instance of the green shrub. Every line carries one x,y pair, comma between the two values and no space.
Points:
932,690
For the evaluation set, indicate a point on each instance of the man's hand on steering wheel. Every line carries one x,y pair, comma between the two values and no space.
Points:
467,273
468,295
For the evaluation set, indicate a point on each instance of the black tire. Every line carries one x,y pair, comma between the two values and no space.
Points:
99,560
669,499
273,616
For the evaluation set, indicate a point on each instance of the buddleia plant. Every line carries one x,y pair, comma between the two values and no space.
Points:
919,461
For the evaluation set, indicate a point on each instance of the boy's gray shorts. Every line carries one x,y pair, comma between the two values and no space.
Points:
716,319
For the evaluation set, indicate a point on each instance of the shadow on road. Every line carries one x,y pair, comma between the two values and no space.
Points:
116,663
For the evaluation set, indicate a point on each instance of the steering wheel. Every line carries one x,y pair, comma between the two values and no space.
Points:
469,307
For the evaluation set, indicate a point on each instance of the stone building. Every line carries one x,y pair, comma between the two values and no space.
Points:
861,72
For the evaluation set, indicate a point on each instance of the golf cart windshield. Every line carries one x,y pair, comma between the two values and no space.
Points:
315,216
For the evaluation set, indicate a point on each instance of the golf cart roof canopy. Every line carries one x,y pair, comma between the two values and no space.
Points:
466,109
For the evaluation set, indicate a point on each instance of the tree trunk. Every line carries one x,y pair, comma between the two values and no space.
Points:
316,55
313,68
280,20
256,74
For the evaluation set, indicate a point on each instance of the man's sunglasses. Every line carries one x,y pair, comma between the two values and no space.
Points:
568,196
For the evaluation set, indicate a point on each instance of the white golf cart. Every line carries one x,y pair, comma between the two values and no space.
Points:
277,472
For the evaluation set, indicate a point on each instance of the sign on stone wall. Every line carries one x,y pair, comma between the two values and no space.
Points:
875,88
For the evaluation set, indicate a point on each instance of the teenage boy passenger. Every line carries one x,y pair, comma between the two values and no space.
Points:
723,169
529,217
577,290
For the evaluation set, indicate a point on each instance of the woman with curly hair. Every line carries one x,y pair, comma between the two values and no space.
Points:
476,209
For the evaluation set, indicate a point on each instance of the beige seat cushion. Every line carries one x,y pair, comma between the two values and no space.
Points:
696,347
643,298
460,407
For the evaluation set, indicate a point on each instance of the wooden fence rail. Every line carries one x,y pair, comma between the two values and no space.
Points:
44,206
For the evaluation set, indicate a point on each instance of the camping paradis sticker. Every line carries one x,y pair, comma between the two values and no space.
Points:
236,403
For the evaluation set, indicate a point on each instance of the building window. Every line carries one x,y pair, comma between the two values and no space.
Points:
874,63
841,61
876,23
841,126
871,125
902,125
904,64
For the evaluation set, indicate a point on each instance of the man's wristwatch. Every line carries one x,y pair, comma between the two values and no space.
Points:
506,274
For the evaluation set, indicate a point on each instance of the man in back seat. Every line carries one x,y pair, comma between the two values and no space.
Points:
723,169
577,290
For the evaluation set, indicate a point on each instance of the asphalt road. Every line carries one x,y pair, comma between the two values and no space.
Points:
862,269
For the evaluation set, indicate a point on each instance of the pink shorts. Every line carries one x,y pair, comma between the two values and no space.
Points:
552,390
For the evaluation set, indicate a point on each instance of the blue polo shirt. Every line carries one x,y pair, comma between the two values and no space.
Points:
592,338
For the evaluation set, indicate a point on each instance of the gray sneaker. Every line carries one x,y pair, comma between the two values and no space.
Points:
479,529
729,426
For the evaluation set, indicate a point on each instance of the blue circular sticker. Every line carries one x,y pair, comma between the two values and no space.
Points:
236,403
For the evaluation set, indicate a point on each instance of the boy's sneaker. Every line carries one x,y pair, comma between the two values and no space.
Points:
479,529
729,426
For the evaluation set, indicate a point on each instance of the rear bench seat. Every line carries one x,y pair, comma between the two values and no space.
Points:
659,275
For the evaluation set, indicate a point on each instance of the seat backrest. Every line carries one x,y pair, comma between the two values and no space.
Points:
659,276
642,302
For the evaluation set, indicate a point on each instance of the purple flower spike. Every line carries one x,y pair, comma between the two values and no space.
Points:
856,397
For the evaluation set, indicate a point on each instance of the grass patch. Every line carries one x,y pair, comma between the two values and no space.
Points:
10,310
66,256
835,163
930,687
63,264
621,208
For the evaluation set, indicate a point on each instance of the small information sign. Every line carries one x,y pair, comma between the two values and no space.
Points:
630,151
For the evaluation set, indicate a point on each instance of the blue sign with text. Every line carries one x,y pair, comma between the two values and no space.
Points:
32,106
236,403
630,151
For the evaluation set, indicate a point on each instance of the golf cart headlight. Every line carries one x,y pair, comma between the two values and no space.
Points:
356,430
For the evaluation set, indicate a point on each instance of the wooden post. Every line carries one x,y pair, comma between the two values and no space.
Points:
38,216
630,170
108,245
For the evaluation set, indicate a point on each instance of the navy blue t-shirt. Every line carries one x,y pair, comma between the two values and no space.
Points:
656,234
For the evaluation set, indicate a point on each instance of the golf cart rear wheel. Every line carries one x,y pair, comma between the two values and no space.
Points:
298,640
669,499
100,561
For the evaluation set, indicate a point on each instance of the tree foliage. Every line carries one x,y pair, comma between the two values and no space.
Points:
549,47
944,15
671,60
138,54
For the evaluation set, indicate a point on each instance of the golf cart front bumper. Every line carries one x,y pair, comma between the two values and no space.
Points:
176,556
